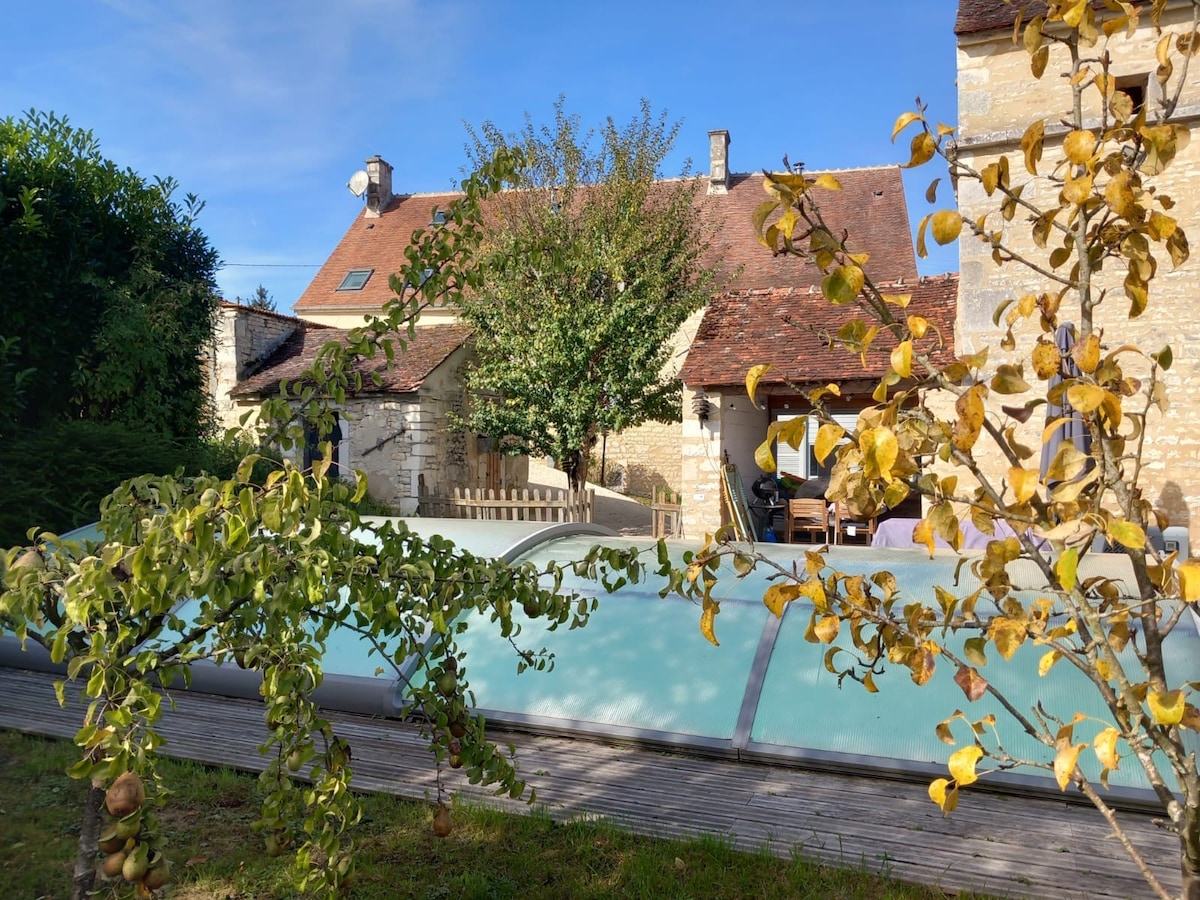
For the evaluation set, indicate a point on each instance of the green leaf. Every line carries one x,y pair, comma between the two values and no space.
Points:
973,650
843,284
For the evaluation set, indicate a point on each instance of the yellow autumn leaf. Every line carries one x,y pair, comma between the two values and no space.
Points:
917,325
970,409
902,359
1024,483
753,375
921,150
764,458
1007,634
1085,398
1086,353
1105,745
903,121
1077,190
946,799
706,623
1065,567
1038,60
1009,380
791,431
1046,663
923,534
869,684
962,765
1126,533
828,437
879,449
1189,581
1047,360
814,590
1064,763
945,226
778,596
828,182
1079,146
1166,707
1069,461
1031,144
827,628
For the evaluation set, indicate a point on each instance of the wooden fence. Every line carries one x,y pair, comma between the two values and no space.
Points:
551,505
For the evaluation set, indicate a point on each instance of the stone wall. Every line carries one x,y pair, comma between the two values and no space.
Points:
998,98
395,438
649,456
734,427
244,336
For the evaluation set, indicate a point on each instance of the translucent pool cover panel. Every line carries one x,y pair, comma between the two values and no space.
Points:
640,664
802,707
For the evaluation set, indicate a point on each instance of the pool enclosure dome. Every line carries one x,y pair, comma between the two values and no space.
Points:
641,670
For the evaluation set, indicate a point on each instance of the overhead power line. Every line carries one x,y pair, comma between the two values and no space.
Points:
230,265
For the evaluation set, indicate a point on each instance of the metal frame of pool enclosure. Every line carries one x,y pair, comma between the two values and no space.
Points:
641,671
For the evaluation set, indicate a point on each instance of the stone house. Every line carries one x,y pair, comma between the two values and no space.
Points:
997,99
394,431
244,337
353,282
789,329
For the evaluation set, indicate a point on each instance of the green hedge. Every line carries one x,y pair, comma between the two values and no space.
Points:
55,477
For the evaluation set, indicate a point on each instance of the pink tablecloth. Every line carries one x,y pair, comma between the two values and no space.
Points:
898,533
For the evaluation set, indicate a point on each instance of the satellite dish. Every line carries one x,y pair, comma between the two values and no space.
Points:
358,183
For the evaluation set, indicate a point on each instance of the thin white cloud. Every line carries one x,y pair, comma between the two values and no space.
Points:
233,86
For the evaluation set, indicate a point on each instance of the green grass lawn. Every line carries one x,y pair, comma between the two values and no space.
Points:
217,856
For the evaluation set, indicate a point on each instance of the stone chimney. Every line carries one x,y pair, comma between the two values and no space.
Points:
718,162
379,186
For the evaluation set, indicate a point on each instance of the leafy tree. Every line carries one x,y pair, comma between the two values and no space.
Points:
256,572
260,299
592,268
106,281
1092,208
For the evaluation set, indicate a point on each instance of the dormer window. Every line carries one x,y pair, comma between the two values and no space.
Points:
355,279
438,217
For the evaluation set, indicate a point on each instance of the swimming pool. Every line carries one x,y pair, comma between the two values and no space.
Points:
642,671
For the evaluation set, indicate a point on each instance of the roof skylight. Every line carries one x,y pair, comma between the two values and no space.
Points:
355,279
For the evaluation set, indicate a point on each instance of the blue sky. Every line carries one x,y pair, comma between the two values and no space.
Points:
264,108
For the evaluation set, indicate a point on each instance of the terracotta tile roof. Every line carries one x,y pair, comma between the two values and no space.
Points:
987,15
871,205
376,243
784,327
424,353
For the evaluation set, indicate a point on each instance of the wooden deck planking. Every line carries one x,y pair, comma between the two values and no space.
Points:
1006,845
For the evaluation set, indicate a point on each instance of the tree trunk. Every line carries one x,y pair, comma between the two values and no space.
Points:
574,466
1190,889
89,837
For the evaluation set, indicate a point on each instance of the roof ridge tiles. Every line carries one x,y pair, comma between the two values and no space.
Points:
828,169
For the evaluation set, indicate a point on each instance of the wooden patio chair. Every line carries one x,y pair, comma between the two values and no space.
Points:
811,516
843,523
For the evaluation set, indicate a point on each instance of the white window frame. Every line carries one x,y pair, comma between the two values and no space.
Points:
800,461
